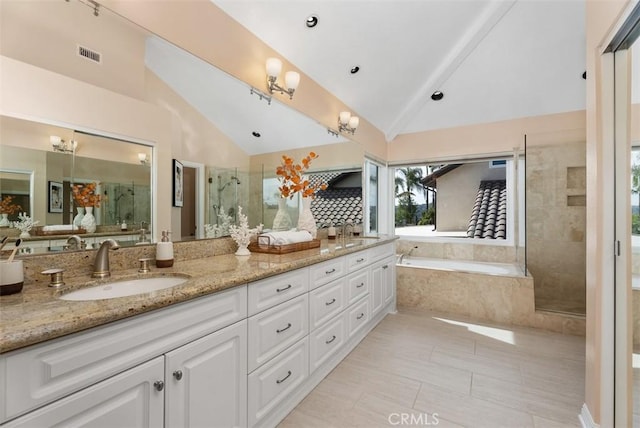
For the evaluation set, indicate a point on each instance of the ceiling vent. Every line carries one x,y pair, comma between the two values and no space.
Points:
89,54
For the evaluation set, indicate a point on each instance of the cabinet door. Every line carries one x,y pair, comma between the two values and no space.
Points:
129,399
376,289
207,380
388,280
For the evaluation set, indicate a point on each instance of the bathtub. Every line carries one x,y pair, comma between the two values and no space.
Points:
466,266
497,292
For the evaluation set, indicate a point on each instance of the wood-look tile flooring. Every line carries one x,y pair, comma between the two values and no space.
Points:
471,374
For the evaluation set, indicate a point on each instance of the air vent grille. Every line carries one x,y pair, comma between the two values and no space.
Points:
89,54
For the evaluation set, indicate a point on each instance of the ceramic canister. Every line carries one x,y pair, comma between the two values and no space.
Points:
11,277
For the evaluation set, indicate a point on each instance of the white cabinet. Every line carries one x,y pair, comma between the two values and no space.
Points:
270,292
357,317
40,374
357,285
388,280
325,272
272,382
206,381
326,301
326,341
93,370
130,399
376,297
275,329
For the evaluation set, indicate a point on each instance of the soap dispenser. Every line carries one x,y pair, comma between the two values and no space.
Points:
331,233
164,251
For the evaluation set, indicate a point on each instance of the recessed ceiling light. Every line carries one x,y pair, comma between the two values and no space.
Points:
256,134
311,21
437,96
354,69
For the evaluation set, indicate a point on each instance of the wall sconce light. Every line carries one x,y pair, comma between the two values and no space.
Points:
291,78
59,145
347,123
142,157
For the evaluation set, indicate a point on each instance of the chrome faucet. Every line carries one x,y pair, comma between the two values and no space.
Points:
408,253
75,243
345,226
101,265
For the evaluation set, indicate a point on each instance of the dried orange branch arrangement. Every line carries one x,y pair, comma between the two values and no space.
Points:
85,195
291,176
8,207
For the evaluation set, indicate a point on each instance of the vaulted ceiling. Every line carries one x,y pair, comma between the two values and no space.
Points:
493,59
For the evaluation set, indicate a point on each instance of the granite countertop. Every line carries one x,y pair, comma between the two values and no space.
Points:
37,314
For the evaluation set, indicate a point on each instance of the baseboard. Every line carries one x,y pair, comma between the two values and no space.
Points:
586,419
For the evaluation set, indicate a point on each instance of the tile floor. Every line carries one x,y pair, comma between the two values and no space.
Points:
427,367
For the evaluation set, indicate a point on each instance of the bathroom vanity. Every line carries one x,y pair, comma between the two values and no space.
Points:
245,353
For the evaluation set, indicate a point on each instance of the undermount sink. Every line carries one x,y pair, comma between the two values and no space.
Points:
130,287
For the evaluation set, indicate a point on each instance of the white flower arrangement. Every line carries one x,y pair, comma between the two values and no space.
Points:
242,233
24,225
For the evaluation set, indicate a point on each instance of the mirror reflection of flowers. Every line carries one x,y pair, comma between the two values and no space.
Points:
85,195
8,207
292,179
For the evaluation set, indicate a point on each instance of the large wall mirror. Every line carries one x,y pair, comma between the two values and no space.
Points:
215,117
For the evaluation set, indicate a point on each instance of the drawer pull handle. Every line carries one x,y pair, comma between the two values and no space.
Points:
330,340
158,385
360,316
279,381
359,260
331,302
329,272
385,267
280,290
284,329
361,285
177,374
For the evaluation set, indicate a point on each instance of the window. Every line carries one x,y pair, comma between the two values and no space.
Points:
470,199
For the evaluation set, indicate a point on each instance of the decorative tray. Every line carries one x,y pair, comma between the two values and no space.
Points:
264,247
40,232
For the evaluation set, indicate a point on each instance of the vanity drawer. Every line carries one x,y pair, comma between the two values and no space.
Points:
357,260
325,272
62,366
275,329
269,292
325,341
357,317
326,301
376,253
357,286
274,381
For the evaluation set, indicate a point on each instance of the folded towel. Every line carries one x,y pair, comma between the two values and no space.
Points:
55,227
284,237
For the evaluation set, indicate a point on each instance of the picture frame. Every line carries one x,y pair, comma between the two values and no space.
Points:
55,197
178,180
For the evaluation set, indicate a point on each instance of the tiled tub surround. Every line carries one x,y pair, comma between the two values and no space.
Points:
37,314
507,299
458,251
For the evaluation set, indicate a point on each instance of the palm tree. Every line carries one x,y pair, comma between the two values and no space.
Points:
406,181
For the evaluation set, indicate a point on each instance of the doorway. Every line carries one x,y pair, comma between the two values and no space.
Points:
188,214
